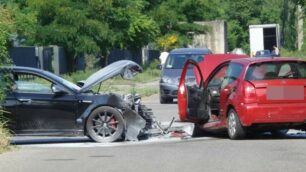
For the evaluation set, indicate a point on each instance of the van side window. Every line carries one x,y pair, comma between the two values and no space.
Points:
232,73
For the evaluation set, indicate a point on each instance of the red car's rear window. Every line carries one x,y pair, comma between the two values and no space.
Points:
277,70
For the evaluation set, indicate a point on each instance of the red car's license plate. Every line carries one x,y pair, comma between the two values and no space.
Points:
285,93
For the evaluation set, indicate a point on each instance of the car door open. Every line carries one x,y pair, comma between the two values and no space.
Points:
191,98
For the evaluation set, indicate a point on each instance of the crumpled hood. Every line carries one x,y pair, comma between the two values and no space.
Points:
126,68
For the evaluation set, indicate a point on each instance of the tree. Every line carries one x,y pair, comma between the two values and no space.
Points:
92,27
6,27
240,14
175,19
199,10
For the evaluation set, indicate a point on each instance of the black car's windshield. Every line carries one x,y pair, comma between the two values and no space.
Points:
63,81
177,61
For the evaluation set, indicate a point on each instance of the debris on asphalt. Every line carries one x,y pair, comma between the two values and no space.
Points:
141,123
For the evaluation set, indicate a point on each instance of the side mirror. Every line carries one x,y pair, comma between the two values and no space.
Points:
80,83
58,90
159,66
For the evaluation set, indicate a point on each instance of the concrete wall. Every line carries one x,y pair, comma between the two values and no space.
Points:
215,39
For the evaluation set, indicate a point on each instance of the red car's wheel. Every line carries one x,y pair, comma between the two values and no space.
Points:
234,128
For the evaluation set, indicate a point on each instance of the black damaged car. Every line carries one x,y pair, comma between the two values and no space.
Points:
41,103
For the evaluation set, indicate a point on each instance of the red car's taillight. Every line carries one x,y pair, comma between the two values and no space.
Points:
249,92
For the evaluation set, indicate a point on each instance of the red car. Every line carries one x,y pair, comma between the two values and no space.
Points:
246,95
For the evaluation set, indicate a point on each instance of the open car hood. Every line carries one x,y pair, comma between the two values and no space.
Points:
126,68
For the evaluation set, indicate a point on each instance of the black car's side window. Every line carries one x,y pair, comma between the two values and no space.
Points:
232,73
29,83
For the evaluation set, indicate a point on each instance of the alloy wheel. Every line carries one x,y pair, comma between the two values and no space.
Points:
105,124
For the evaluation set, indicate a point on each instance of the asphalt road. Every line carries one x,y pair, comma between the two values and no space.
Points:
214,153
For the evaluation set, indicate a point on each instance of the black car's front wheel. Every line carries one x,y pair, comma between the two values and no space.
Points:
165,100
105,124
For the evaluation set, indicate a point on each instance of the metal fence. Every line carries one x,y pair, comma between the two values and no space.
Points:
53,58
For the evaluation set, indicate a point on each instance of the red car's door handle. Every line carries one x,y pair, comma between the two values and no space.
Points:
230,90
233,89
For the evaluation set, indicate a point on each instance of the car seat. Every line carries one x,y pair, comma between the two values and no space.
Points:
270,75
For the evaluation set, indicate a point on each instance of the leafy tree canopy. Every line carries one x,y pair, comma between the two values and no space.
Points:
82,26
98,26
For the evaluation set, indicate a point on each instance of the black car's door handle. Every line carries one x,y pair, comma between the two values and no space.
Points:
25,101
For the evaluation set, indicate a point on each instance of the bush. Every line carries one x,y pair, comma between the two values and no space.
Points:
79,75
6,25
4,135
297,54
150,73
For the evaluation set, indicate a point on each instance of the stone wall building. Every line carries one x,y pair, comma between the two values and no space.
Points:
215,39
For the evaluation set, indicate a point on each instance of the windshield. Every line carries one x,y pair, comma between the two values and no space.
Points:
177,61
276,70
63,81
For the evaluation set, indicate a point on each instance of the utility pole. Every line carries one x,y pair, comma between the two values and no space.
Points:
284,19
299,26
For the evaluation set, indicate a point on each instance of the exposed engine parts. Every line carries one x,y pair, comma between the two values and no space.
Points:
141,122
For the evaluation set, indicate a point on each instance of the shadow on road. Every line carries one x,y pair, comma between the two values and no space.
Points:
255,136
21,140
35,140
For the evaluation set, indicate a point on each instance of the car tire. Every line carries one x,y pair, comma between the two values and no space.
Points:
105,124
163,100
234,128
279,133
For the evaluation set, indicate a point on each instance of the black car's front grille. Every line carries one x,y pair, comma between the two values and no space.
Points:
166,91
